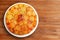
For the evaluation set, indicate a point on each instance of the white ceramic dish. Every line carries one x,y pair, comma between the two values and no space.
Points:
15,34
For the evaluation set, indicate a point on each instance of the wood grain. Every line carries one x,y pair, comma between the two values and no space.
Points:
49,19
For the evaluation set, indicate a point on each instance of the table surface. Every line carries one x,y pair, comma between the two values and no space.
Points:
49,19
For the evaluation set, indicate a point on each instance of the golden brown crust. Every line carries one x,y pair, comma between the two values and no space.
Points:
21,19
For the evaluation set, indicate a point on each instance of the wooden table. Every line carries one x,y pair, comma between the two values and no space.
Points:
49,19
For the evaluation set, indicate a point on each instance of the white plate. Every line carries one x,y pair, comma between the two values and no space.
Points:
25,34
